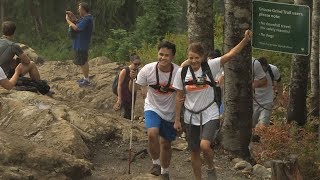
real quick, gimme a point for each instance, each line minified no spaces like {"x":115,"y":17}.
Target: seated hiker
{"x":10,"y":83}
{"x":8,"y":49}
{"x":124,"y":100}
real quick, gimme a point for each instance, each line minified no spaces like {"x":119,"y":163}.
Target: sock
{"x":87,"y":79}
{"x":157,"y":161}
{"x":164,"y":170}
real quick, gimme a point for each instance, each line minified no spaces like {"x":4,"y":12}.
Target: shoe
{"x":80,"y":80}
{"x":156,"y":170}
{"x":84,"y":83}
{"x":212,"y":174}
{"x":165,"y":176}
{"x":50,"y":93}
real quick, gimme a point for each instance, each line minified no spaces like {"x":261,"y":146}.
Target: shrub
{"x":280,"y":140}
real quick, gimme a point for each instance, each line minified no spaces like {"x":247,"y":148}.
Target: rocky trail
{"x":76,"y":134}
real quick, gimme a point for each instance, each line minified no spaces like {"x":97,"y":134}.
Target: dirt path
{"x":110,"y":160}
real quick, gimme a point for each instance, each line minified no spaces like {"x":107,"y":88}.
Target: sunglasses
{"x":136,"y":64}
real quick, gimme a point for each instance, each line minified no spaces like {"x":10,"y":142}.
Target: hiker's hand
{"x":19,"y":69}
{"x":117,"y":105}
{"x":182,"y":99}
{"x":67,"y":18}
{"x":248,"y":35}
{"x":133,"y":74}
{"x":177,"y":125}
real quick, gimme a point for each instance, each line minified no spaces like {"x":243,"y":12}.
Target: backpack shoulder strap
{"x":206,"y":70}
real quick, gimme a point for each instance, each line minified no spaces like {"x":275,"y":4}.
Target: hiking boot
{"x":156,"y":170}
{"x":84,"y":83}
{"x":165,"y":176}
{"x":211,"y":174}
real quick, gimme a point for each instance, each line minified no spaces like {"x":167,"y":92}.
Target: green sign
{"x":281,"y":27}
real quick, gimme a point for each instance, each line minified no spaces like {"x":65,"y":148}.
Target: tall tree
{"x":314,"y":59}
{"x":236,"y":129}
{"x":2,"y":10}
{"x":297,"y":108}
{"x":200,"y":22}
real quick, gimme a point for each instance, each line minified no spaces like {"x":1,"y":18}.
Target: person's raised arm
{"x":238,"y":48}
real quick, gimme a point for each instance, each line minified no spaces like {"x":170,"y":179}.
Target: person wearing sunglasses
{"x":124,"y":100}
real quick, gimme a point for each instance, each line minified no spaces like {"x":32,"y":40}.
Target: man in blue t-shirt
{"x":81,"y":30}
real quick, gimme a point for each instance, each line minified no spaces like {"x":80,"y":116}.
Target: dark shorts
{"x":209,"y":132}
{"x":166,"y":129}
{"x":126,"y":110}
{"x":80,"y":57}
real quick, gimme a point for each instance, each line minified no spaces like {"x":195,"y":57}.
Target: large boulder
{"x":52,"y":136}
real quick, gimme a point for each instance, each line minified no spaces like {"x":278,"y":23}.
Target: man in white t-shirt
{"x":201,"y":110}
{"x":263,"y":95}
{"x":9,"y":84}
{"x":159,"y":108}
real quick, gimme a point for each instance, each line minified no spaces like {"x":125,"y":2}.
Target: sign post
{"x":281,"y":27}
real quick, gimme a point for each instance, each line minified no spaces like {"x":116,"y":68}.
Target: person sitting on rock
{"x":8,"y":49}
{"x":124,"y":100}
{"x":10,"y":83}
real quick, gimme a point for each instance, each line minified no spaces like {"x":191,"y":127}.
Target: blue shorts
{"x":166,"y":129}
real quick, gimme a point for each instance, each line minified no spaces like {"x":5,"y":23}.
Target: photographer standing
{"x":124,"y":101}
{"x":82,"y":30}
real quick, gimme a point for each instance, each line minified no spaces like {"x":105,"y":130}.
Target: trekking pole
{"x":131,"y":123}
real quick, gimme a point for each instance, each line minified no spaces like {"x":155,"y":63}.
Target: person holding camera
{"x":82,"y":31}
{"x":126,"y":76}
{"x":159,"y":108}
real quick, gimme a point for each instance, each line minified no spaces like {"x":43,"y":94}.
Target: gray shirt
{"x":8,"y":50}
{"x":264,"y":95}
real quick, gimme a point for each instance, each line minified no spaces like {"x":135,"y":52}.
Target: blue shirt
{"x":83,"y":35}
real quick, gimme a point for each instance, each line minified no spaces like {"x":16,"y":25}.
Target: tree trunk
{"x":314,"y":59}
{"x":236,"y":129}
{"x":200,"y":23}
{"x":36,"y":14}
{"x":297,"y":109}
{"x":2,"y":10}
{"x":285,"y":170}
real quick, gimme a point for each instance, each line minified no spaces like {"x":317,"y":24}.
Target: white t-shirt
{"x":163,"y":104}
{"x":264,"y":95}
{"x":198,"y":97}
{"x":2,"y":74}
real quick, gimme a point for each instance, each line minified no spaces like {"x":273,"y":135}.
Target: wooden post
{"x":286,"y":170}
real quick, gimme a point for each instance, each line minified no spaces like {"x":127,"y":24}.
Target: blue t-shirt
{"x":83,"y":35}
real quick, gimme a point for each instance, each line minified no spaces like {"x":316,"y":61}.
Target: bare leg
{"x":32,"y":70}
{"x":85,"y":70}
{"x":196,"y":164}
{"x":207,"y":152}
{"x":153,"y":143}
{"x":165,"y":152}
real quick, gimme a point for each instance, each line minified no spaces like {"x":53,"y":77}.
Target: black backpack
{"x":28,"y":84}
{"x":206,"y":71}
{"x":115,"y":81}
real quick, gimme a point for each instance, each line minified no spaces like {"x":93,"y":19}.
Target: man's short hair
{"x":168,"y":45}
{"x":84,"y":6}
{"x":8,"y":28}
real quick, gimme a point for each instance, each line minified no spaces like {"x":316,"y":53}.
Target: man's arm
{"x":9,"y":84}
{"x":71,"y":23}
{"x":238,"y":48}
{"x":260,"y":83}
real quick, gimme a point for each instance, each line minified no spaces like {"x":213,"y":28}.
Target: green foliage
{"x":159,"y":18}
